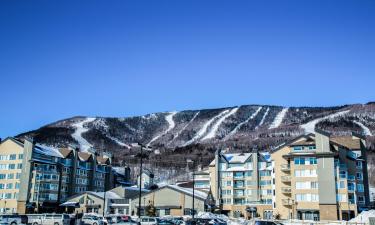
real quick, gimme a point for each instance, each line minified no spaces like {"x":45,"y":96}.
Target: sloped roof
{"x":84,"y":156}
{"x":102,"y":160}
{"x":65,"y":152}
{"x":347,"y":142}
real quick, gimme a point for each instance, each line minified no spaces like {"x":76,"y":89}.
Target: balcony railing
{"x":286,"y":178}
{"x":286,"y":190}
{"x":287,"y":202}
{"x":285,"y":167}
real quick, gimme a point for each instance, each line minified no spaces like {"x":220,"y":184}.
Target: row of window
{"x":305,"y":173}
{"x":9,"y":176}
{"x":307,"y":197}
{"x":304,"y":148}
{"x":307,"y":185}
{"x":305,"y":161}
{"x":9,"y":195}
{"x":343,"y":174}
{"x":10,"y":166}
{"x":10,"y":186}
{"x":11,"y":157}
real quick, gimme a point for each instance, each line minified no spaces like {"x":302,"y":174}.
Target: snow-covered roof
{"x":108,"y":194}
{"x":46,"y":150}
{"x":237,"y":157}
{"x":189,"y":191}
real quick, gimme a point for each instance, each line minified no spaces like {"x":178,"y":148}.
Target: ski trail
{"x":184,"y":127}
{"x":310,"y":126}
{"x":205,"y":126}
{"x":171,"y":125}
{"x":263,"y":118}
{"x":215,"y":127}
{"x":365,"y":129}
{"x":77,"y":135}
{"x":242,"y":123}
{"x":118,"y":142}
{"x":279,"y":118}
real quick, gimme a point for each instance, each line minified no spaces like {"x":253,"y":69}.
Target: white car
{"x":91,"y":220}
{"x":10,"y":219}
{"x":148,"y":221}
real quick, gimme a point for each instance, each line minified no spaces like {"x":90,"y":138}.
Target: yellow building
{"x":319,"y":177}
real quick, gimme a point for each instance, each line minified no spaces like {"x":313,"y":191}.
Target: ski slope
{"x":365,"y":129}
{"x":205,"y":126}
{"x":171,"y":125}
{"x":215,"y":127}
{"x":310,"y":126}
{"x":77,"y":135}
{"x":263,"y":118}
{"x":278,"y":118}
{"x":234,"y":131}
{"x":184,"y":127}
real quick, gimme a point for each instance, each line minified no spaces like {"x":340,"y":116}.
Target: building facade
{"x":37,"y":178}
{"x":318,"y":177}
{"x":242,"y":184}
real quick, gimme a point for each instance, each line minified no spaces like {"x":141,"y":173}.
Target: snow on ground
{"x":234,"y":131}
{"x":279,"y":118}
{"x":215,"y":127}
{"x":263,"y":118}
{"x":365,"y":129}
{"x":310,"y":126}
{"x":205,"y":126}
{"x":171,"y":125}
{"x":118,"y":142}
{"x":184,"y":127}
{"x":363,"y":217}
{"x":77,"y":135}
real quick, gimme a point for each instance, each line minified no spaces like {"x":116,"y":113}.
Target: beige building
{"x":117,"y":201}
{"x":318,"y":177}
{"x":171,"y":200}
{"x":241,"y":184}
{"x":37,"y":178}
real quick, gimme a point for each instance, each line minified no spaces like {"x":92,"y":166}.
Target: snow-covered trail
{"x":205,"y":126}
{"x":278,"y":118}
{"x":310,"y":126}
{"x":171,"y":125}
{"x":365,"y":129}
{"x":184,"y":127}
{"x":119,"y":142}
{"x":263,"y":118}
{"x":77,"y":135}
{"x":234,"y":131}
{"x":215,"y":127}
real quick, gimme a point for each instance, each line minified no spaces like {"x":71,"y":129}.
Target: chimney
{"x":322,"y":141}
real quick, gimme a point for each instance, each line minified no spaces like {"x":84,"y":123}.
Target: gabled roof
{"x":188,"y":191}
{"x":347,"y":142}
{"x":84,"y":156}
{"x":65,"y":152}
{"x":102,"y":160}
{"x":15,"y":140}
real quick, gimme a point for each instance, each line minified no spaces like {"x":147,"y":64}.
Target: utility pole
{"x":193,"y":189}
{"x":140,"y":184}
{"x":104,"y":203}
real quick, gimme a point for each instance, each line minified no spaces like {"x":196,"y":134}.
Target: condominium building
{"x":241,"y":184}
{"x":34,"y":177}
{"x":319,"y":177}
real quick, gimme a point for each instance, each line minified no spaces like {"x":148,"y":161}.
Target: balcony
{"x":286,"y":190}
{"x":287,"y":202}
{"x":285,"y":167}
{"x":286,"y":179}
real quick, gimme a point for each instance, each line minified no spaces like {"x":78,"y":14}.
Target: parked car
{"x":12,"y":220}
{"x":148,"y":221}
{"x":122,"y":219}
{"x":265,"y":222}
{"x":91,"y":220}
{"x":49,"y":219}
{"x":165,"y":222}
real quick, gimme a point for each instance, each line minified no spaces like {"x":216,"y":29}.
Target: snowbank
{"x":363,"y":217}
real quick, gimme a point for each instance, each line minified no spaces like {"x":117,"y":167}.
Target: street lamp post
{"x":140,"y":183}
{"x":193,"y":206}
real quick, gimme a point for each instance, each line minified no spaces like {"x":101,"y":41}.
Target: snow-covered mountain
{"x":197,"y":133}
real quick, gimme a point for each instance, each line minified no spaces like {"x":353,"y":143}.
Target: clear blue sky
{"x":120,"y":58}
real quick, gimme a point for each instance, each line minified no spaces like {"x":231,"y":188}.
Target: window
{"x":343,"y":174}
{"x":358,"y":164}
{"x":265,"y":182}
{"x":12,"y":166}
{"x":250,"y":183}
{"x":17,"y":185}
{"x":229,"y":183}
{"x":312,"y":147}
{"x":2,"y":176}
{"x":264,"y":173}
{"x":2,"y":186}
{"x":18,"y":175}
{"x":359,"y":176}
{"x":10,"y":176}
{"x":167,"y":212}
{"x":3,"y":166}
{"x":3,"y":157}
{"x":361,"y":199}
{"x":314,"y":185}
{"x":360,"y":188}
{"x":299,"y":161}
{"x":19,"y":166}
{"x":341,"y":197}
{"x":351,"y":186}
{"x":340,"y":185}
{"x":305,"y":173}
{"x":9,"y":186}
{"x":20,"y":156}
{"x":307,"y":197}
{"x":313,"y":161}
{"x":297,"y":148}
{"x":12,"y":157}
